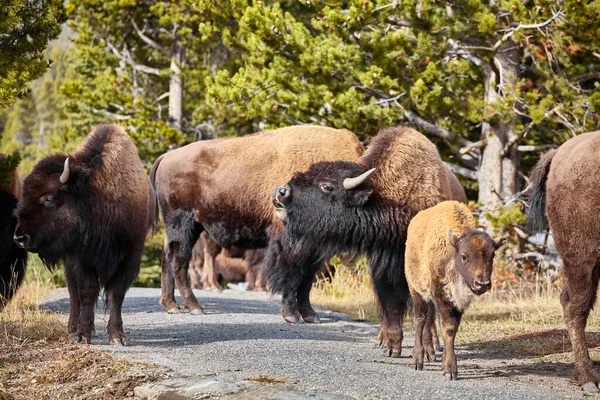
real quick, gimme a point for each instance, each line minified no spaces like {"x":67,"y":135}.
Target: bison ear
{"x":453,"y":239}
{"x":499,"y":242}
{"x":360,"y":196}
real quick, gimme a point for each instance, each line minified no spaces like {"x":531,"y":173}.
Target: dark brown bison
{"x":13,"y":259}
{"x":91,"y":210}
{"x":449,"y":263}
{"x":224,"y":187}
{"x":364,"y":206}
{"x":564,"y":193}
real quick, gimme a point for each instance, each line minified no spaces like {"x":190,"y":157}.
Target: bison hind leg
{"x":115,"y":291}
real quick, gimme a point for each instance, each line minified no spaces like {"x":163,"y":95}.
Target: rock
{"x":190,"y":388}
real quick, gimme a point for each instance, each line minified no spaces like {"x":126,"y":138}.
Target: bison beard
{"x":92,"y":211}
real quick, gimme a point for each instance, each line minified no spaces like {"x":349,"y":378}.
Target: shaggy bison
{"x":363,"y":206}
{"x":224,"y":187}
{"x":450,"y":262}
{"x":92,"y":210}
{"x":564,"y":194}
{"x":13,"y":259}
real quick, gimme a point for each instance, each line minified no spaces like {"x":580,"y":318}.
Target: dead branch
{"x":465,"y":172}
{"x":540,"y":147}
{"x":511,"y":32}
{"x":126,"y":57}
{"x":473,"y":146}
{"x":147,"y":40}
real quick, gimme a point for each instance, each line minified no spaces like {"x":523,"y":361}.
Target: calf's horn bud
{"x":351,"y":183}
{"x":64,"y":177}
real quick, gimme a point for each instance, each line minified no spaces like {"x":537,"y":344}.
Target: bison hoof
{"x":293,"y":319}
{"x":451,"y":376}
{"x":80,"y":339}
{"x":417,"y":367}
{"x":590,"y":387}
{"x":391,"y":353}
{"x":197,"y":311}
{"x":439,"y":348}
{"x":118,"y":341}
{"x":311,"y":319}
{"x":174,"y":310}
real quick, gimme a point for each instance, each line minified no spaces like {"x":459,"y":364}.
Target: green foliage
{"x":7,"y":165}
{"x":505,"y":217}
{"x":26,"y":26}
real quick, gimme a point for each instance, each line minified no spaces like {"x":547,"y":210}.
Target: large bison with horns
{"x":13,"y":259}
{"x":365,"y":206}
{"x":224,"y":187}
{"x":92,"y":210}
{"x":564,"y":196}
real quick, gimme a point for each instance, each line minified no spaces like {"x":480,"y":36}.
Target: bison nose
{"x":21,"y":240}
{"x":282,"y":193}
{"x":483,"y":286}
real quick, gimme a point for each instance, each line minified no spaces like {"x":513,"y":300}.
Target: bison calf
{"x":13,"y":259}
{"x":448,"y":262}
{"x":91,"y":210}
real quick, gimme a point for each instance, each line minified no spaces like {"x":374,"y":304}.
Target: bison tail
{"x":154,"y":193}
{"x":536,"y":216}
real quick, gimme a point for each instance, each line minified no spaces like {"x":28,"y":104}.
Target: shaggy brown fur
{"x":565,"y":189}
{"x":448,"y":262}
{"x":13,"y":259}
{"x":95,"y":222}
{"x":224,"y":186}
{"x":372,"y":218}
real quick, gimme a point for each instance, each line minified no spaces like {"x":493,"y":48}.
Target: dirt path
{"x":242,"y":348}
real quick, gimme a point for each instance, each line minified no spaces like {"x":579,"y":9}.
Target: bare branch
{"x":473,"y":146}
{"x":457,"y":49}
{"x":511,"y":32}
{"x":465,"y":172}
{"x":147,"y":40}
{"x":434,"y":129}
{"x":126,"y":57}
{"x":588,"y":77}
{"x":110,"y":114}
{"x":398,"y":22}
{"x":511,"y":142}
{"x":539,"y":147}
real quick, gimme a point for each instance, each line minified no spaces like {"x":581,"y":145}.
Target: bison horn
{"x":351,"y":183}
{"x":64,"y":177}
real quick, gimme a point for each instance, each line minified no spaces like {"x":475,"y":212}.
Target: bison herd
{"x":271,"y":208}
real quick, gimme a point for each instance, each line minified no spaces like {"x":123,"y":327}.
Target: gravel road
{"x":244,"y":336}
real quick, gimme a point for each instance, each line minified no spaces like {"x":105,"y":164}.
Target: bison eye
{"x":49,"y":201}
{"x":464,"y":257}
{"x":325,"y":187}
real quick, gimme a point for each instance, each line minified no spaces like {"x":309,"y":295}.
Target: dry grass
{"x":38,"y":361}
{"x":517,"y":320}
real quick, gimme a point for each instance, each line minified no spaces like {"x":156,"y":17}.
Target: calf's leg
{"x":209,"y":275}
{"x":431,"y":342}
{"x":577,"y":298}
{"x":450,"y":318}
{"x":420,"y":308}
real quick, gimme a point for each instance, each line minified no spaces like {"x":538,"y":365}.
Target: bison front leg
{"x":303,"y":295}
{"x":577,"y":299}
{"x":393,"y":302}
{"x":450,"y":319}
{"x":115,"y":292}
{"x":420,"y":308}
{"x":88,"y":289}
{"x":74,"y":301}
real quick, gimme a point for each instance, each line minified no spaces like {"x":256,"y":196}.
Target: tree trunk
{"x":176,"y":87}
{"x":497,"y":175}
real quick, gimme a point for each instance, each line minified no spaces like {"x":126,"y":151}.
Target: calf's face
{"x":49,"y":217}
{"x":474,"y":258}
{"x":322,"y":201}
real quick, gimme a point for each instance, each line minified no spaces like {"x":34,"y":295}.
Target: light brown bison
{"x":564,"y":194}
{"x":91,"y":210}
{"x":224,"y":187}
{"x":13,"y":259}
{"x":448,"y":262}
{"x":365,"y":207}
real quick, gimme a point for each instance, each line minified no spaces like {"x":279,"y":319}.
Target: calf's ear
{"x":453,"y":239}
{"x":499,"y":242}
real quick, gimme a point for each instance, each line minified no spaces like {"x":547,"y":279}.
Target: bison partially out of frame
{"x":564,"y":194}
{"x":224,"y":187}
{"x":13,"y":259}
{"x":365,"y":207}
{"x":91,"y":210}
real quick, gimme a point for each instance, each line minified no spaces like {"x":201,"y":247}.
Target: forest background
{"x":493,"y":84}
